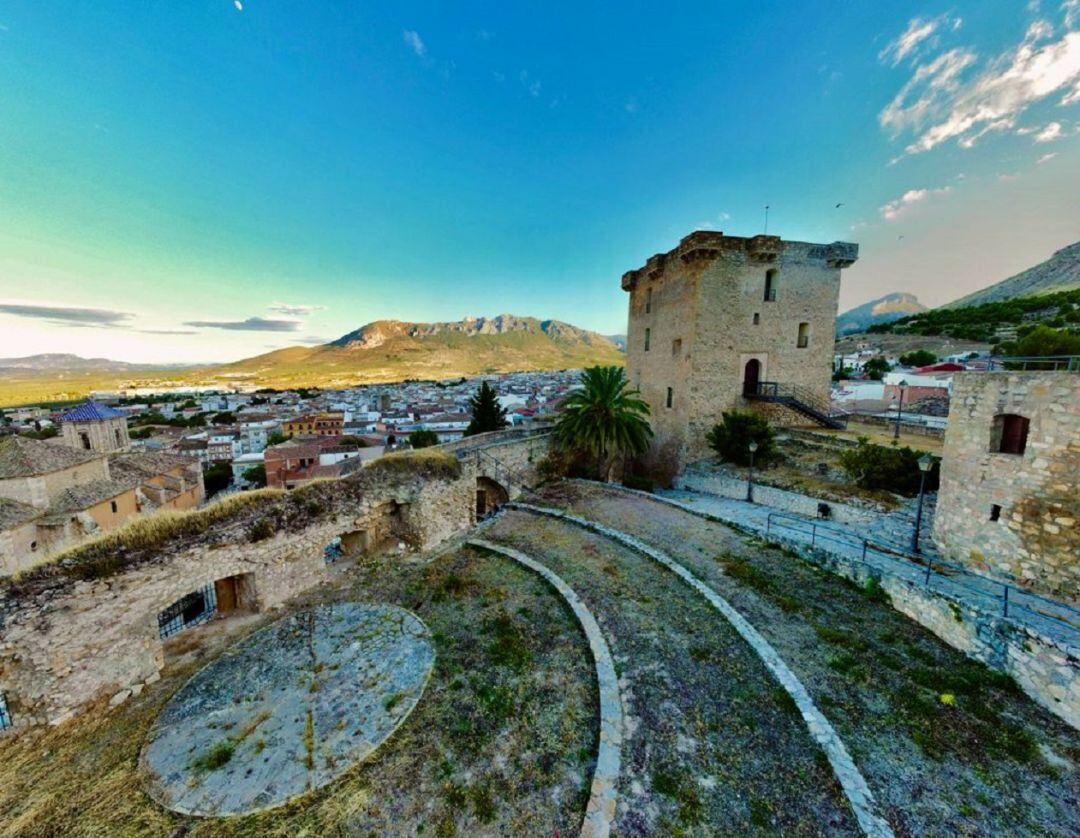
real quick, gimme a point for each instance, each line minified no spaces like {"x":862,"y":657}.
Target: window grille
{"x":190,"y":610}
{"x":5,"y":715}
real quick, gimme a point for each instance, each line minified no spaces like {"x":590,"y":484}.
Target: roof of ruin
{"x":13,"y":513}
{"x":84,"y":496}
{"x":137,"y":466}
{"x":21,"y":456}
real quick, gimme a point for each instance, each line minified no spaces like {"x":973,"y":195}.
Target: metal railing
{"x":1026,"y":363}
{"x":1011,"y":597}
{"x":497,"y":469}
{"x":801,"y":398}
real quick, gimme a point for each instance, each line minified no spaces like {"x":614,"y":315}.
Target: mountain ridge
{"x":1061,"y":272}
{"x":881,"y":310}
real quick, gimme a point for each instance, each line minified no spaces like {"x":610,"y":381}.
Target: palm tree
{"x":605,"y":418}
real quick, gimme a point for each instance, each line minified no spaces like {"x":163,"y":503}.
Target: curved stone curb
{"x":851,"y":779}
{"x":600,"y":813}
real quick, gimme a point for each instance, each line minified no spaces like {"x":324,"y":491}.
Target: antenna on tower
{"x":766,"y":219}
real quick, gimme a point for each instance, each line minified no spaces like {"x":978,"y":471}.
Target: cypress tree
{"x":487,"y":413}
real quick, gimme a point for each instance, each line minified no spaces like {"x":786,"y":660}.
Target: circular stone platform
{"x":288,"y":709}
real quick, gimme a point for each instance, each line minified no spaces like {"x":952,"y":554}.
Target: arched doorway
{"x":750,"y":376}
{"x":490,"y":495}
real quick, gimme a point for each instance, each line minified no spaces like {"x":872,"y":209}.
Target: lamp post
{"x":926,"y":462}
{"x":899,"y":409}
{"x":750,"y":474}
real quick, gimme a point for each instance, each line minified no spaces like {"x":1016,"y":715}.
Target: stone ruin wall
{"x":1036,"y":542}
{"x":66,"y":641}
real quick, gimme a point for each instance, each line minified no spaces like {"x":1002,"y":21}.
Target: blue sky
{"x":198,"y":181}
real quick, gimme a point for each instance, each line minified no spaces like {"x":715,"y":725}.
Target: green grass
{"x":215,"y":757}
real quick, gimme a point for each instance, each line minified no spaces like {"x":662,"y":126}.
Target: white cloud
{"x":1050,"y":133}
{"x":906,"y":203}
{"x":294,"y":310}
{"x":1071,"y":9}
{"x":533,"y":86}
{"x":239,"y":5}
{"x":919,"y":32}
{"x":1049,"y":156}
{"x":938,"y":103}
{"x":414,"y":42}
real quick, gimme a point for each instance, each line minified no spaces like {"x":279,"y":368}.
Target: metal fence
{"x":1010,"y":598}
{"x":190,"y":610}
{"x":5,"y":715}
{"x":1061,"y":363}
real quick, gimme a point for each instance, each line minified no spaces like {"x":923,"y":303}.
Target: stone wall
{"x":86,"y":626}
{"x":780,"y":499}
{"x":106,"y":435}
{"x":703,"y":306}
{"x":1035,"y":541}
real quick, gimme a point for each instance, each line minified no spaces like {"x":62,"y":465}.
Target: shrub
{"x":732,"y":437}
{"x":423,"y":439}
{"x":874,"y":466}
{"x":634,"y":481}
{"x":876,"y":368}
{"x":262,"y":530}
{"x":918,"y":358}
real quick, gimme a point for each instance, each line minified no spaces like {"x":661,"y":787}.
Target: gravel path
{"x":712,"y":744}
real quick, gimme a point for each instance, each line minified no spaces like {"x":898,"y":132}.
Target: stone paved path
{"x":851,"y":780}
{"x":288,"y":709}
{"x":1056,"y":622}
{"x":603,"y":795}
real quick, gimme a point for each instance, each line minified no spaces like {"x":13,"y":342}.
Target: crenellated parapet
{"x":703,"y":246}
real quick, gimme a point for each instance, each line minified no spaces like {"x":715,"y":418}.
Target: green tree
{"x":354,"y":441}
{"x":843,"y":373}
{"x":423,"y":439}
{"x":732,"y":437}
{"x":216,"y":478}
{"x":487,"y":413}
{"x":885,"y":467}
{"x":604,"y":419}
{"x":275,"y":438}
{"x":918,"y":358}
{"x":876,"y":368}
{"x":256,"y":475}
{"x":226,"y":417}
{"x":1042,"y":340}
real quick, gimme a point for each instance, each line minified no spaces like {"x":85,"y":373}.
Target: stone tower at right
{"x":725,"y":322}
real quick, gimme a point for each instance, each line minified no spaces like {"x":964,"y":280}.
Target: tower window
{"x":757,"y":318}
{"x":117,"y":433}
{"x":1009,"y":434}
{"x":676,"y":346}
{"x":648,"y":339}
{"x":670,"y":396}
{"x":770,"y":285}
{"x":113,"y":507}
{"x":648,"y":300}
{"x":995,"y":512}
{"x":804,"y":336}
{"x":85,"y":438}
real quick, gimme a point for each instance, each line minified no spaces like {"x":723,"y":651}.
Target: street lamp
{"x":899,"y":409}
{"x":926,"y":462}
{"x":750,"y":474}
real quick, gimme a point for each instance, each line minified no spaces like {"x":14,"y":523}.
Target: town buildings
{"x":718,"y":319}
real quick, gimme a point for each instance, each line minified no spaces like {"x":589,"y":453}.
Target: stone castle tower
{"x":95,"y":427}
{"x":724,"y":322}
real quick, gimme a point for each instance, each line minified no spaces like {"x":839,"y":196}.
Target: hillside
{"x":882,"y":310}
{"x":386,"y":350}
{"x":994,"y":321}
{"x":1061,"y":272}
{"x":391,"y":350}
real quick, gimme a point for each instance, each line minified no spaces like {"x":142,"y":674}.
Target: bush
{"x":732,"y":437}
{"x":262,"y":530}
{"x":882,"y":467}
{"x":918,"y":358}
{"x":256,"y":475}
{"x":423,"y":439}
{"x":634,"y":481}
{"x":876,"y":368}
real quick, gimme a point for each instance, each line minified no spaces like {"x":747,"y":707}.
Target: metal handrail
{"x":1064,"y":363}
{"x":933,"y":568}
{"x":795,"y":392}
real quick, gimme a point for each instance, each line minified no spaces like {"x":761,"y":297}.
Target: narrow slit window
{"x":113,"y":506}
{"x":995,"y":512}
{"x":757,"y":318}
{"x":670,"y":397}
{"x":770,"y":285}
{"x":648,"y":339}
{"x":804,"y":336}
{"x":676,"y":346}
{"x":648,"y":300}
